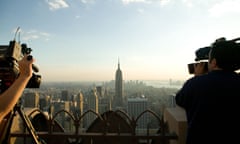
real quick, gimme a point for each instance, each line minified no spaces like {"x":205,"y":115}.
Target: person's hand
{"x":25,"y":67}
{"x":199,"y":68}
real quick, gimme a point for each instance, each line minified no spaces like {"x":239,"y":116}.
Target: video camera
{"x":202,"y":55}
{"x":9,"y":69}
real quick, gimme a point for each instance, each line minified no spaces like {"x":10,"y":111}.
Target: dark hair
{"x":226,"y":53}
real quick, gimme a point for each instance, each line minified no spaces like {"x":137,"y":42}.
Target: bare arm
{"x":9,"y":97}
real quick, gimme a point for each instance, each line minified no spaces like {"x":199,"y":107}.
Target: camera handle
{"x":34,"y":67}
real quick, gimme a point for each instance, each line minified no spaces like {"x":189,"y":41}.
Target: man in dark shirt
{"x":211,"y":99}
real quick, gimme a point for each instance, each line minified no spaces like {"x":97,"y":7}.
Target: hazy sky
{"x":83,"y":39}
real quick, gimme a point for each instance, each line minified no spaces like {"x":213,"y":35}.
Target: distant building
{"x":173,"y":102}
{"x":79,"y":103}
{"x":118,"y":98}
{"x":44,"y":103}
{"x":92,"y":104}
{"x":135,"y":106}
{"x":79,"y":107}
{"x":104,"y":105}
{"x":104,"y":100}
{"x":65,"y":96}
{"x":100,"y":91}
{"x":63,"y":118}
{"x":31,"y":99}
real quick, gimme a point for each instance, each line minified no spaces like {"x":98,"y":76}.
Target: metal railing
{"x":104,"y":134}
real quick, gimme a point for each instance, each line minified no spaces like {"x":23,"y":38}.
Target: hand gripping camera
{"x":9,"y":69}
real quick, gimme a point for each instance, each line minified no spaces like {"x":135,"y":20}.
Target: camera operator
{"x":210,"y":98}
{"x":10,"y":96}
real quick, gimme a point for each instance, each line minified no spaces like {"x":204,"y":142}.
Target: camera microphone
{"x":34,"y":67}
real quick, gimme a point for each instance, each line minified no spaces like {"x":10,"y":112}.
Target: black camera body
{"x":202,"y":55}
{"x":9,"y":69}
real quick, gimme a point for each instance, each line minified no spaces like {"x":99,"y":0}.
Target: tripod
{"x":18,"y":108}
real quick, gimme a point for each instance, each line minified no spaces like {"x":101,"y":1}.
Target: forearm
{"x":9,"y":97}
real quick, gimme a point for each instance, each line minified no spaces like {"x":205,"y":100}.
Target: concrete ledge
{"x":177,"y":122}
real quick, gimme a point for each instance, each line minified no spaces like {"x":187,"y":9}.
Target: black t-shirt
{"x":211,"y":104}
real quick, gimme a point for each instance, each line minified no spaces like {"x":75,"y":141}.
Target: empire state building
{"x":118,"y":99}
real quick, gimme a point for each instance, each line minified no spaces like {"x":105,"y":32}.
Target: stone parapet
{"x":177,"y":123}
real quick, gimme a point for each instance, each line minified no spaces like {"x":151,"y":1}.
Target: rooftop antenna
{"x":118,"y":63}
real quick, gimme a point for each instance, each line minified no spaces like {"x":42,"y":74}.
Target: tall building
{"x":92,"y":104}
{"x":104,"y":100}
{"x":135,"y":106}
{"x":100,"y":91}
{"x":118,"y":98}
{"x":63,"y":118}
{"x":65,"y":95}
{"x":79,"y":108}
{"x":79,"y":101}
{"x":44,"y":102}
{"x":31,"y":99}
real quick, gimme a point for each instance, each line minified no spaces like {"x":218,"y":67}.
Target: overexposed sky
{"x":80,"y":40}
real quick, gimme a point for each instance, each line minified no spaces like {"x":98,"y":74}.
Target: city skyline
{"x":82,"y":40}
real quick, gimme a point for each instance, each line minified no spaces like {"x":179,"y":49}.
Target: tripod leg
{"x":29,"y":126}
{"x":5,"y":132}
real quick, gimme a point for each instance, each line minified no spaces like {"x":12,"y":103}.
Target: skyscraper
{"x":79,"y":106}
{"x":65,"y":96}
{"x":118,"y":99}
{"x":135,"y":106}
{"x":92,"y":104}
{"x":31,"y":99}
